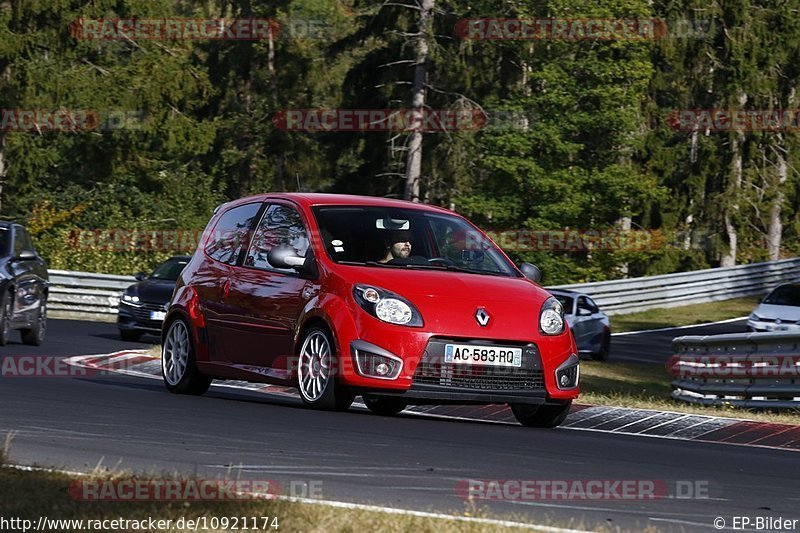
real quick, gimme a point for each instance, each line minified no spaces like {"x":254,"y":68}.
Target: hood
{"x":448,"y":301}
{"x":787,"y":313}
{"x":157,"y":291}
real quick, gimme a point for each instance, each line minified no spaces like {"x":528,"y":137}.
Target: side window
{"x":231,"y":234}
{"x":281,"y":225}
{"x":21,"y":240}
{"x":591,"y":305}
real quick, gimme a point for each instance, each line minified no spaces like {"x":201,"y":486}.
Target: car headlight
{"x":387,"y":306}
{"x":754,"y":316}
{"x":551,"y":317}
{"x":130,"y":298}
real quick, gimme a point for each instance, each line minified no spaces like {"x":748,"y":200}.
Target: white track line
{"x":677,"y":327}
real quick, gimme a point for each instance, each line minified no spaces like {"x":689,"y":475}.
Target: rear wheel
{"x":35,"y":335}
{"x":316,"y":369}
{"x":384,"y":406}
{"x":6,"y":308}
{"x":541,"y":416}
{"x":178,"y":363}
{"x":605,"y":348}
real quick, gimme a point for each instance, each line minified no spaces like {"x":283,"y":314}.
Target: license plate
{"x":471,"y":354}
{"x":777,"y":328}
{"x":158,"y":315}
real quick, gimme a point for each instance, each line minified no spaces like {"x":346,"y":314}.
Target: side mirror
{"x":140,"y":276}
{"x":285,"y":257}
{"x":582,"y":311}
{"x":531,"y":272}
{"x":26,"y":255}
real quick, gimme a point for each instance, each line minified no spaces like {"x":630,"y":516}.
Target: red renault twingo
{"x":340,"y":296}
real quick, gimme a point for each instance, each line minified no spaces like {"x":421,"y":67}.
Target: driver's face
{"x":401,"y":250}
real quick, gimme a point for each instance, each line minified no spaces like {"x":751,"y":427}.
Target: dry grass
{"x":685,"y":315}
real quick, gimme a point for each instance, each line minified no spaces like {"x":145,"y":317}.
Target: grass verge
{"x":684,"y":315}
{"x":648,"y":387}
{"x":42,"y":493}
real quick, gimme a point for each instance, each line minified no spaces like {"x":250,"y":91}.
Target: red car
{"x":341,"y":296}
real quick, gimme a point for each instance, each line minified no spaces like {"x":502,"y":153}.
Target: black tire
{"x":5,"y":317}
{"x":605,"y":348}
{"x":384,"y":406}
{"x":541,"y":416}
{"x":190,"y":380}
{"x":130,"y":335}
{"x":35,"y":336}
{"x":333,"y":396}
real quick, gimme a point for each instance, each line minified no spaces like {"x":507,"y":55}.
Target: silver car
{"x":589,"y":325}
{"x":778,"y":311}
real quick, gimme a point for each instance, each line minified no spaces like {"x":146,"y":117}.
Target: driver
{"x":398,"y":246}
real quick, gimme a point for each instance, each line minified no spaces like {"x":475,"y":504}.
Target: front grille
{"x":142,"y":313}
{"x":433,"y":370}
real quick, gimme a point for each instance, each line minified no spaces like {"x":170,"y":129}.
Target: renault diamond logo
{"x":482,"y":316}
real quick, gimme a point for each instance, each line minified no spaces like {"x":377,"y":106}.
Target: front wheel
{"x":316,"y":374}
{"x":384,"y":406}
{"x":178,"y":363}
{"x":35,"y":336}
{"x":541,"y":416}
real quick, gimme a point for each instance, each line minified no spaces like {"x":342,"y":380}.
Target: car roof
{"x":320,"y":199}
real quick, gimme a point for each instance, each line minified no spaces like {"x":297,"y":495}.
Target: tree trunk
{"x":2,"y":167}
{"x":414,"y":159}
{"x":775,"y":229}
{"x":735,"y":184}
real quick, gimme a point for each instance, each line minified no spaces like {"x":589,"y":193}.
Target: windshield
{"x":169,"y":270}
{"x":408,"y":238}
{"x":784,"y":295}
{"x":566,"y":301}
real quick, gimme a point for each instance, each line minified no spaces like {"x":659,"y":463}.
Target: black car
{"x":23,"y":286}
{"x":143,"y":306}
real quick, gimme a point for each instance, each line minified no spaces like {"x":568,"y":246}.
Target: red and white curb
{"x":622,"y":420}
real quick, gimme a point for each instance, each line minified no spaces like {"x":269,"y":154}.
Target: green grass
{"x":648,"y":387}
{"x":684,"y":315}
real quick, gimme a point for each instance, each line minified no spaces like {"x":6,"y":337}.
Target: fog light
{"x":375,"y":362}
{"x":568,"y":374}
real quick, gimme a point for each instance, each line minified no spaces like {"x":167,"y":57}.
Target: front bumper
{"x":430,"y":379}
{"x":772,"y":325}
{"x":140,"y":317}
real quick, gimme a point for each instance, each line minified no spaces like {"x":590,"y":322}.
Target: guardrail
{"x":684,"y":288}
{"x":742,"y":369}
{"x":90,"y":295}
{"x":85,"y":294}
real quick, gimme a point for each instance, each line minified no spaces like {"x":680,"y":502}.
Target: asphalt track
{"x":409,"y":461}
